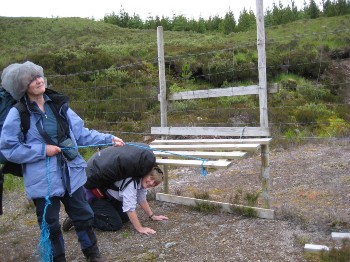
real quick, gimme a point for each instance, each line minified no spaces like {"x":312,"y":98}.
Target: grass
{"x":201,"y":195}
{"x":206,"y":207}
{"x":245,"y":211}
{"x":249,"y":198}
{"x":12,"y":183}
{"x":341,"y":254}
{"x":302,"y":239}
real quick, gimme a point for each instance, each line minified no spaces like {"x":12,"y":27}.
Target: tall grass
{"x":12,"y":183}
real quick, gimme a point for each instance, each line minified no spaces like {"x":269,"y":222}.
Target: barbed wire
{"x":126,"y":115}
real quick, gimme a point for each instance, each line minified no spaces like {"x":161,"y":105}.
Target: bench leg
{"x":265,"y":175}
{"x":166,"y":179}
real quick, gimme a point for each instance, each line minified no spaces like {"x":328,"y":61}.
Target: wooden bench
{"x":209,"y":153}
{"x":217,"y":153}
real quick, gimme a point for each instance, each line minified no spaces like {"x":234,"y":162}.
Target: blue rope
{"x":45,"y":248}
{"x":77,"y":147}
{"x":203,"y":170}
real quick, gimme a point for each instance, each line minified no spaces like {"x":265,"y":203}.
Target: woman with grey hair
{"x":49,"y":171}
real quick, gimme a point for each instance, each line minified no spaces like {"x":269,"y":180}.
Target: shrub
{"x":315,"y":93}
{"x":336,"y":127}
{"x":312,"y":113}
{"x":12,"y":183}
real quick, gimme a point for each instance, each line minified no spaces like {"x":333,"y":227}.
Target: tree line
{"x":276,"y":15}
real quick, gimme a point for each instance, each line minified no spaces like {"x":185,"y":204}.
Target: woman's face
{"x":36,"y":86}
{"x":148,"y":182}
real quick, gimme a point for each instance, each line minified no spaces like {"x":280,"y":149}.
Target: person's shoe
{"x":96,"y":259}
{"x":93,"y":254}
{"x":67,"y":224}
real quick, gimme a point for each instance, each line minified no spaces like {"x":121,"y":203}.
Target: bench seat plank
{"x":194,"y":163}
{"x":201,"y":154}
{"x":262,"y":141}
{"x":212,"y":131}
{"x":235,"y":147}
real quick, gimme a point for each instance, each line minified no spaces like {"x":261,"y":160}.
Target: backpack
{"x":6,"y":103}
{"x":117,"y":163}
{"x":7,"y":167}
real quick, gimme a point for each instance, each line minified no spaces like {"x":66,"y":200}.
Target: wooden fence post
{"x":265,"y":166}
{"x":162,"y":93}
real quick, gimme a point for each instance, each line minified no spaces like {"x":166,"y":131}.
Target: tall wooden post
{"x":162,"y":95}
{"x":265,"y":165}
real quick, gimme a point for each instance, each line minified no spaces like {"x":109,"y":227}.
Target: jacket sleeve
{"x":83,"y":135}
{"x":12,"y":145}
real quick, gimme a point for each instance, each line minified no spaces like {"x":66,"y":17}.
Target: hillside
{"x":81,"y":56}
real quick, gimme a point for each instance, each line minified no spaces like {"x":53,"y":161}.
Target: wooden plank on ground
{"x":312,"y":248}
{"x":240,"y":132}
{"x":261,"y":141}
{"x":340,"y":236}
{"x":201,"y":154}
{"x":216,"y":147}
{"x":194,"y":163}
{"x":227,"y":207}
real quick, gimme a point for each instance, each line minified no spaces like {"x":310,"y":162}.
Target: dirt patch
{"x":310,"y":194}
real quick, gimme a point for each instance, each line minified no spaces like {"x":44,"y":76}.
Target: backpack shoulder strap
{"x":24,"y":115}
{"x":135,"y":180}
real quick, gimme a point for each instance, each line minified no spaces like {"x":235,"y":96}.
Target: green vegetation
{"x":201,"y":195}
{"x":111,"y":73}
{"x":244,"y":211}
{"x":243,"y":203}
{"x":248,"y":199}
{"x":277,"y":15}
{"x":206,"y":207}
{"x":12,"y":183}
{"x":339,"y":254}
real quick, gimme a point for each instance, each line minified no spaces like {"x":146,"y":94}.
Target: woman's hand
{"x":117,"y":141}
{"x":52,"y":150}
{"x":146,"y":230}
{"x":159,"y":218}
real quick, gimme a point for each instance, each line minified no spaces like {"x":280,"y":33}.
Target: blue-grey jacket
{"x":38,"y":171}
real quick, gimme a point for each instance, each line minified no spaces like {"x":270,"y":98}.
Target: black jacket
{"x":117,"y":163}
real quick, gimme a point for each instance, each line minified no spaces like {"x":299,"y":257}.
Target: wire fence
{"x":124,"y":99}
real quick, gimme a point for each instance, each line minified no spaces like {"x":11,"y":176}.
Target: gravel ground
{"x":310,"y":194}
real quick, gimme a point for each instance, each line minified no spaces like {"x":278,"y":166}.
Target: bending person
{"x":117,"y":181}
